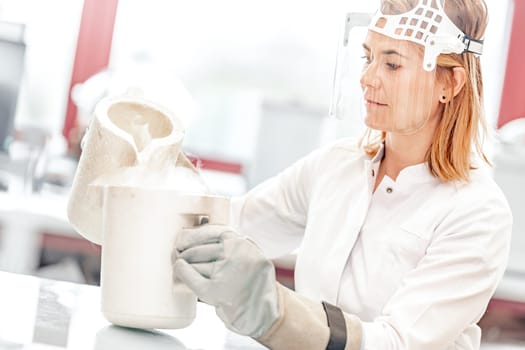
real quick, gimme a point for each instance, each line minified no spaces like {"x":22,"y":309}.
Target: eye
{"x":367,"y":59}
{"x":393,"y":66}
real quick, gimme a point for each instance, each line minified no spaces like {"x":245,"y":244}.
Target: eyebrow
{"x":385,"y":52}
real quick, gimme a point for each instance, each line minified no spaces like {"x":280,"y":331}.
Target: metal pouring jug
{"x":126,"y":196}
{"x":139,"y":230}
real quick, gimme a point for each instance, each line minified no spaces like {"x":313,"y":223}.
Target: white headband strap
{"x":427,"y":24}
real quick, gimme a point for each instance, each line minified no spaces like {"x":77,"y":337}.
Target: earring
{"x":443,"y":99}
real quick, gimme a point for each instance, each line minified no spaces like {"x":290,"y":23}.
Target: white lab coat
{"x":417,"y":260}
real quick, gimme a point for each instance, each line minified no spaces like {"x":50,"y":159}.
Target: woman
{"x":403,"y":238}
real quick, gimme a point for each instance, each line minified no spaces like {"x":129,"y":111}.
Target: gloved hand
{"x":230,"y":273}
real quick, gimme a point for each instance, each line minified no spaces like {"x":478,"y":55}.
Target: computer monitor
{"x":12,"y":52}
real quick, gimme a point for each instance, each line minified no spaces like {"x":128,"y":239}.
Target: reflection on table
{"x":44,"y":314}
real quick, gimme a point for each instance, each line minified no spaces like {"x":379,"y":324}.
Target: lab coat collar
{"x":379,"y":155}
{"x":414,"y":174}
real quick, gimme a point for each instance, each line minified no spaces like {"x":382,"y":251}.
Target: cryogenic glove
{"x":230,"y":273}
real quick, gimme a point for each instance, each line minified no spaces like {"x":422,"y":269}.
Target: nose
{"x":369,"y":76}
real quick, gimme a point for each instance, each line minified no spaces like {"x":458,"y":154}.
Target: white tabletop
{"x":44,"y":314}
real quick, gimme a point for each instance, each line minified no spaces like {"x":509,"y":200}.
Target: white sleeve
{"x":273,"y":214}
{"x":451,"y":286}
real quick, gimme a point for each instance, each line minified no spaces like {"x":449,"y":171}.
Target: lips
{"x":371,"y":99}
{"x":371,"y":102}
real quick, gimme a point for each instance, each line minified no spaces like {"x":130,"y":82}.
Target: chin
{"x":372,"y":124}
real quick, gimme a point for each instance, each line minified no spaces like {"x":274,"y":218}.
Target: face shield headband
{"x":427,"y":24}
{"x":398,"y":103}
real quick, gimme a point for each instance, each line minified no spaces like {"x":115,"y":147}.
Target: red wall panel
{"x":513,"y":96}
{"x":93,"y":48}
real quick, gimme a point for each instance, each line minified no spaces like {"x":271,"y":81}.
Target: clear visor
{"x":385,"y":71}
{"x":381,"y":80}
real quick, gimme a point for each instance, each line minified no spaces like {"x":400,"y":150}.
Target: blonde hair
{"x":462,"y":125}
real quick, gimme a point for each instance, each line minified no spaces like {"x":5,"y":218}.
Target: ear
{"x":460,"y":77}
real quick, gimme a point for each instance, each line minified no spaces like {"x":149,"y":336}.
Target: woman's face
{"x":400,"y":96}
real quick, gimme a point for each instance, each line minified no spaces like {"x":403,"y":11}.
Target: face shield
{"x":386,"y":74}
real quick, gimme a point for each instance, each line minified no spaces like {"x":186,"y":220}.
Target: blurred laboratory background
{"x":252,"y":82}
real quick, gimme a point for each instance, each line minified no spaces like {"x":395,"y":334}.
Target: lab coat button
{"x":373,"y":173}
{"x":389,"y":190}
